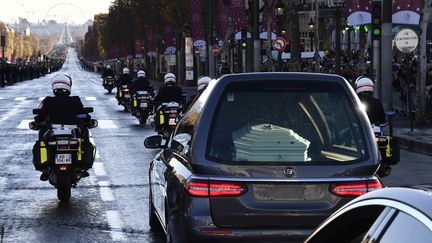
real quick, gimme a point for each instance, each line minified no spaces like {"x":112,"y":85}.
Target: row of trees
{"x":127,"y":20}
{"x":124,"y":30}
{"x":18,"y":45}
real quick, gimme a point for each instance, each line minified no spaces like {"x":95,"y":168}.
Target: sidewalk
{"x":419,"y":140}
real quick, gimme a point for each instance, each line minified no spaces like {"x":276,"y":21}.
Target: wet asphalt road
{"x":110,"y":205}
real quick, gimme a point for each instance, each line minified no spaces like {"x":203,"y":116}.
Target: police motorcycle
{"x":123,"y":97}
{"x":108,"y":83}
{"x":142,"y":105}
{"x":65,"y":152}
{"x":388,"y":145}
{"x":167,"y":118}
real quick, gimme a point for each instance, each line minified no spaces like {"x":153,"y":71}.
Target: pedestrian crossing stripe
{"x":106,"y":124}
{"x":20,"y":98}
{"x":24,"y":124}
{"x":90,"y":98}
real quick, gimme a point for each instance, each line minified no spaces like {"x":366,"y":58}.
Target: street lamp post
{"x":269,"y":34}
{"x":311,"y":33}
{"x":317,"y":56}
{"x":280,"y":8}
{"x":337,"y":5}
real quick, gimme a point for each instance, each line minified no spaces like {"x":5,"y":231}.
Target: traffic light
{"x":243,"y":38}
{"x":376,"y":20}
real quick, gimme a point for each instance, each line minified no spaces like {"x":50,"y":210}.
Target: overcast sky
{"x":71,"y":11}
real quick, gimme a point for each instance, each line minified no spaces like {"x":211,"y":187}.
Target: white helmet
{"x":203,"y":81}
{"x":61,"y":83}
{"x":364,"y":84}
{"x":125,"y":70}
{"x":170,"y":79}
{"x":141,"y":74}
{"x":108,"y":66}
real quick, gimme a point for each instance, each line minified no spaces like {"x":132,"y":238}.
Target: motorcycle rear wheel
{"x":63,"y":187}
{"x":143,"y":119}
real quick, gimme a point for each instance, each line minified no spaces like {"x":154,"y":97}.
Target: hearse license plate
{"x":63,"y":159}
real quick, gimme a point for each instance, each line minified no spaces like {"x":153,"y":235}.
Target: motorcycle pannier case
{"x":40,"y":155}
{"x":391,"y":155}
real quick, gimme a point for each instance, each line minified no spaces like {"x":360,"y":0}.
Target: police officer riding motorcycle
{"x":169,"y":103}
{"x":63,"y":152}
{"x":387,"y":144}
{"x":142,"y":93}
{"x":108,"y":81}
{"x":123,"y":96}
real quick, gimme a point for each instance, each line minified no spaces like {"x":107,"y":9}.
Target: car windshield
{"x":291,"y":121}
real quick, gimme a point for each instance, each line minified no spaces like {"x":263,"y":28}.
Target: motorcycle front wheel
{"x":63,"y":187}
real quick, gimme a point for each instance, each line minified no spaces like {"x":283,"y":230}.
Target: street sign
{"x":279,"y":44}
{"x":216,"y":50}
{"x":406,"y":40}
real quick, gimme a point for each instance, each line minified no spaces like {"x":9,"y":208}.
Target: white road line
{"x":106,"y":124}
{"x":97,"y":156}
{"x":106,"y":194}
{"x":90,"y":98}
{"x":103,"y":183}
{"x":99,"y":169}
{"x":13,"y":111}
{"x":116,"y":225}
{"x":24,"y":124}
{"x":41,"y":98}
{"x":1,"y":98}
{"x":20,"y":98}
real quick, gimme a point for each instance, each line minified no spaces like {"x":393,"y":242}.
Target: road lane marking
{"x":24,"y":124}
{"x":90,"y":98}
{"x":103,"y":183}
{"x":106,"y":194}
{"x":13,"y":111}
{"x":1,"y":98}
{"x":116,"y":225}
{"x":41,"y":98}
{"x":20,"y":98}
{"x":99,"y":169}
{"x":97,"y":156}
{"x":106,"y":124}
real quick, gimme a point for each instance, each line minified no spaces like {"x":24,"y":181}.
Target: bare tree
{"x":421,"y":74}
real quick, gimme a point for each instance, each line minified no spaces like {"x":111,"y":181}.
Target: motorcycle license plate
{"x":63,"y":159}
{"x":126,"y":95}
{"x":172,"y":121}
{"x":143,"y":105}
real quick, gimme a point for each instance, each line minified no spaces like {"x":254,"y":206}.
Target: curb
{"x":415,"y":146}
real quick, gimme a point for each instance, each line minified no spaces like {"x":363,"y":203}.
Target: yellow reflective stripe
{"x":161,"y":117}
{"x":135,"y":102}
{"x":79,"y":149}
{"x":120,"y":93}
{"x":43,"y":152}
{"x":388,"y":148}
